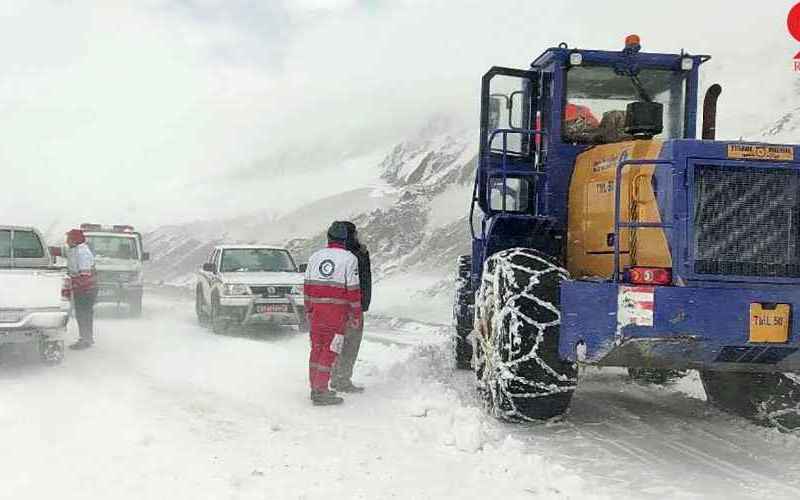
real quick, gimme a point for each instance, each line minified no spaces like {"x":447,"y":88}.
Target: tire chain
{"x":489,"y":359}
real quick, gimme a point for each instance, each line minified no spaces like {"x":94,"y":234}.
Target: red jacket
{"x":332,"y":290}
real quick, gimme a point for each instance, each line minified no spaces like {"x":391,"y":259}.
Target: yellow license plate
{"x":769,"y":325}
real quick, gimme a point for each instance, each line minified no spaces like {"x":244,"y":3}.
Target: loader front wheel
{"x":520,"y":374}
{"x":771,"y":399}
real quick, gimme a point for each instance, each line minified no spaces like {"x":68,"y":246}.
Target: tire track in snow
{"x":632,"y":424}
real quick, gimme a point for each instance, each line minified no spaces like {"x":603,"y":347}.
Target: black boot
{"x":325,"y":398}
{"x":81,"y":344}
{"x":347,"y":387}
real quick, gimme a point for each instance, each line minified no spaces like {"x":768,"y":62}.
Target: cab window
{"x":516,"y":197}
{"x":5,"y":244}
{"x":597,"y":97}
{"x":114,"y":247}
{"x":26,"y":245}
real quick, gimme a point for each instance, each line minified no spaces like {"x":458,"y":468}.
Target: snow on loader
{"x":608,"y":235}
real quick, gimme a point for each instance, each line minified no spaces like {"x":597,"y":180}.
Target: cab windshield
{"x":597,"y":97}
{"x":255,"y":260}
{"x":114,"y":247}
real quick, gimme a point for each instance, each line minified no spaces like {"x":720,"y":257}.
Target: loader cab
{"x":535,"y":123}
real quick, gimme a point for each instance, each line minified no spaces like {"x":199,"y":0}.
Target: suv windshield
{"x":113,"y":247}
{"x":256,"y":260}
{"x":597,"y":97}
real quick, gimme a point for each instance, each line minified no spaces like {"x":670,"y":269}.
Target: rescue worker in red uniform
{"x":80,"y":264}
{"x":333,"y":304}
{"x":579,"y":123}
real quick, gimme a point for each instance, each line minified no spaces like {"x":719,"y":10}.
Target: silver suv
{"x":247,"y":285}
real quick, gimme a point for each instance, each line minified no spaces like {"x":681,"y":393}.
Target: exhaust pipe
{"x":710,"y":112}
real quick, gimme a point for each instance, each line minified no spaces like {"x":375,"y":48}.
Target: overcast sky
{"x":120,"y":112}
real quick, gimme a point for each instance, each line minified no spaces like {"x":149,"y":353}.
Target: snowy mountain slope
{"x":413,"y":221}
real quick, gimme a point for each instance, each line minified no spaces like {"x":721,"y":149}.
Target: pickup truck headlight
{"x":296,"y":290}
{"x":236,"y":289}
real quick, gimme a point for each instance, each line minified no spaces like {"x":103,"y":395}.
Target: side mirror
{"x":644,"y":119}
{"x":302,"y":268}
{"x":145,"y":256}
{"x":55,"y":251}
{"x":208,"y":267}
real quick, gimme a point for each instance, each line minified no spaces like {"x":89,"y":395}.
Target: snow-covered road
{"x":162,"y":408}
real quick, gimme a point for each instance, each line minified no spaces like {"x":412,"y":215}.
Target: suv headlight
{"x":236,"y":289}
{"x":296,"y":290}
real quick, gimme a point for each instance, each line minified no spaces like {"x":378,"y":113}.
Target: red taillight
{"x":66,"y":289}
{"x":650,"y":275}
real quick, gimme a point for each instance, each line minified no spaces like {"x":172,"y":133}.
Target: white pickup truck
{"x":34,"y":295}
{"x":118,"y":256}
{"x":250,"y":284}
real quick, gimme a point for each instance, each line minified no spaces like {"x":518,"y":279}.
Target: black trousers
{"x":84,"y":314}
{"x":343,"y":369}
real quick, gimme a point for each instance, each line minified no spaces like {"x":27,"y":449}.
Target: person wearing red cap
{"x":80,"y":264}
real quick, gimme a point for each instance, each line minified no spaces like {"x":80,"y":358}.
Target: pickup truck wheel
{"x":135,"y":306}
{"x":771,"y":399}
{"x":219,"y":325}
{"x":51,"y":352}
{"x":520,"y":374}
{"x":463,"y":313}
{"x":202,"y":316}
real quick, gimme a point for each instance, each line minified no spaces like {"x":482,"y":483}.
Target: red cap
{"x":632,"y":40}
{"x":75,"y":237}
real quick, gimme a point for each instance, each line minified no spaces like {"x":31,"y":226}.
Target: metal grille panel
{"x":271,"y":291}
{"x":746,"y":221}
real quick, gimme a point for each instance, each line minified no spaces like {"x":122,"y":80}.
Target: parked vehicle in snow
{"x":250,"y":284}
{"x":610,"y":235}
{"x":119,"y":256}
{"x":34,"y":295}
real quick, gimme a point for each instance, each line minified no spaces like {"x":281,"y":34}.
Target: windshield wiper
{"x":643,"y":94}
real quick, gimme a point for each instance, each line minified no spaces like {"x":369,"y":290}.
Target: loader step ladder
{"x":618,"y":224}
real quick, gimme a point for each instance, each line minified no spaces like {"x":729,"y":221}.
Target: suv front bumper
{"x":247,"y":310}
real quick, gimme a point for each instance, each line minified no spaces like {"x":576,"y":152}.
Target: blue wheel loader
{"x":606,"y":233}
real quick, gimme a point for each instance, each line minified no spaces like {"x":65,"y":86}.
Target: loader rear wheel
{"x":463,"y":313}
{"x":520,"y":374}
{"x":771,"y":399}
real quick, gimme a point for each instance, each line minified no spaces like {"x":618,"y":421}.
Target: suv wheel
{"x":202,"y":316}
{"x":219,"y":325}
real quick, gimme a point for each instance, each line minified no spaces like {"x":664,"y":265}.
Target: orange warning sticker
{"x":756,"y":152}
